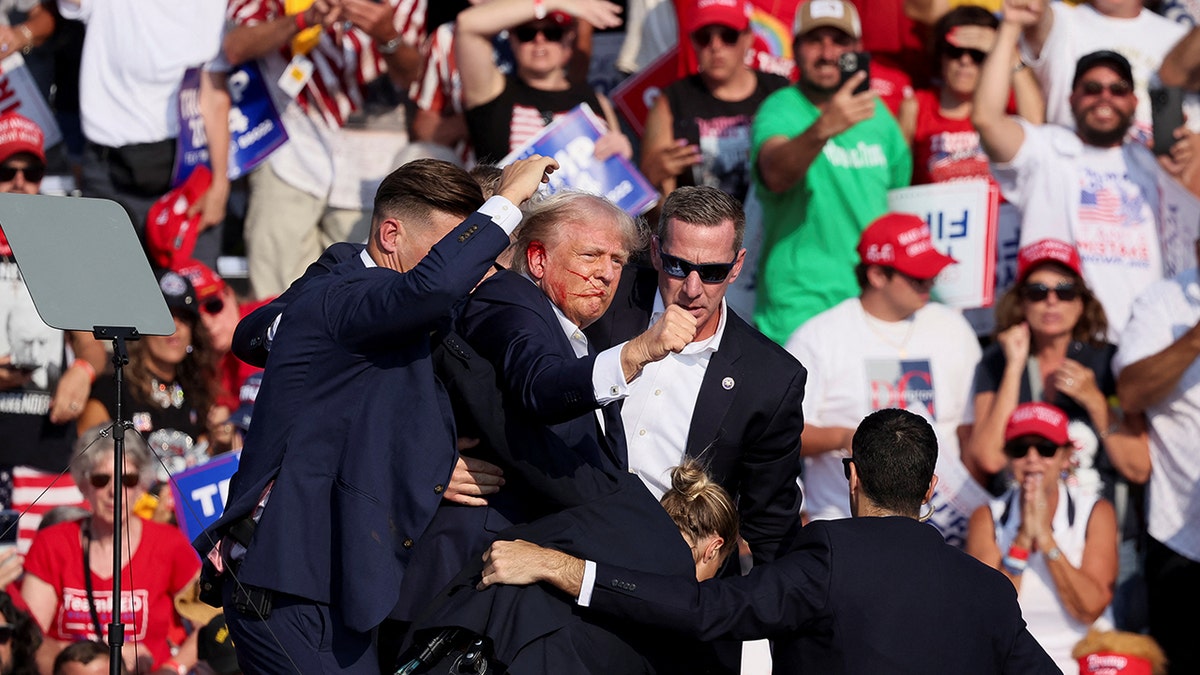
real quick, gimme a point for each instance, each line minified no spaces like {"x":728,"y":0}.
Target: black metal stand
{"x":120,"y":359}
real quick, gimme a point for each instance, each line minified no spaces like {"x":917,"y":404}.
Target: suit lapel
{"x":717,"y":391}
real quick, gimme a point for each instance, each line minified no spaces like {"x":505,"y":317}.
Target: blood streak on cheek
{"x":587,"y":280}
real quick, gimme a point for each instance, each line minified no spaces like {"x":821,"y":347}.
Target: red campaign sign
{"x":634,"y":96}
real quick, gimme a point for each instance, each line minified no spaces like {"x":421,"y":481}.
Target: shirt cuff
{"x":588,"y":585}
{"x":272,"y":330}
{"x":502,"y":212}
{"x":608,"y":378}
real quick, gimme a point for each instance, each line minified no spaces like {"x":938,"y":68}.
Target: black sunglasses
{"x":1118,"y":88}
{"x":1018,"y":448}
{"x":955,"y":53}
{"x":33,"y":174}
{"x":846,"y":461}
{"x":710,"y":273}
{"x":1039,"y":292}
{"x":704,"y":36}
{"x":213,"y":306}
{"x":530,"y":33}
{"x":101,"y":480}
{"x":6,"y":633}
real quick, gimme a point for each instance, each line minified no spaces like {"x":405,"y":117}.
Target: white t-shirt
{"x":1082,"y":194}
{"x":1079,"y":30}
{"x":925,"y":364}
{"x":134,"y":57}
{"x":1161,"y":315}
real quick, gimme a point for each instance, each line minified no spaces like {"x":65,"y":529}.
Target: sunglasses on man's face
{"x":1039,"y":292}
{"x":955,"y":53}
{"x":710,"y":273}
{"x":101,"y":480}
{"x":1117,"y":89}
{"x":530,"y":33}
{"x":705,"y":36}
{"x":33,"y":174}
{"x":1018,"y":448}
{"x":212,"y":306}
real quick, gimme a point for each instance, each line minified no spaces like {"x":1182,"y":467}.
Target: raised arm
{"x":1181,"y":65}
{"x":1148,"y":381}
{"x":482,"y":81}
{"x":255,"y":39}
{"x":1001,"y":135}
{"x":784,"y":162}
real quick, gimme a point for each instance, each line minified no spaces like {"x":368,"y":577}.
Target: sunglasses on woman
{"x":33,"y":174}
{"x":1018,"y":448}
{"x":530,"y":33}
{"x":955,"y":53}
{"x":725,"y":34}
{"x":101,"y":480}
{"x":1038,"y":292}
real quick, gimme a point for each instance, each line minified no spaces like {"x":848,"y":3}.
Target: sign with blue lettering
{"x":571,"y":141}
{"x":962,"y":220}
{"x":200,"y":493}
{"x":255,"y":129}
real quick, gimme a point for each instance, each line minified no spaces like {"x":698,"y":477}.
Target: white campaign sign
{"x":962,"y":220}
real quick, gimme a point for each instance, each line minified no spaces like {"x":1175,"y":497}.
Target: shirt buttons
{"x":658,"y":392}
{"x":642,"y":432}
{"x":408,"y":543}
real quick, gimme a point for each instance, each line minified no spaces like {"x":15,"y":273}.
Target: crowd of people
{"x":541,"y":365}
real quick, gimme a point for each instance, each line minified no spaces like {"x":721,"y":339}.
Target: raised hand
{"x":845,"y":108}
{"x":521,"y":179}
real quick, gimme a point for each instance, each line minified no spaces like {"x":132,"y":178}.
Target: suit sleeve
{"x":774,"y":600}
{"x":526,"y":351}
{"x":1028,"y":657}
{"x":369,"y":309}
{"x":769,"y":496}
{"x":250,"y":342}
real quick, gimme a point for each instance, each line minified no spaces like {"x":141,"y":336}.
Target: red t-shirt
{"x":945,"y":149}
{"x":161,"y":566}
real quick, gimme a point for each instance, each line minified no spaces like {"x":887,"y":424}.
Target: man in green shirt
{"x":824,"y":158}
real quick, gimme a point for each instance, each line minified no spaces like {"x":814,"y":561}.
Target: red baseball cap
{"x":732,"y":13}
{"x":1112,"y":663}
{"x":170,"y":232}
{"x":20,"y":134}
{"x":1047,"y":250}
{"x":208,"y":284}
{"x":902,"y":241}
{"x":1038,"y":419}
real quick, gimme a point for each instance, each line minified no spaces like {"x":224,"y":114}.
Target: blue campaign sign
{"x":255,"y":129}
{"x":200,"y":493}
{"x":571,"y":141}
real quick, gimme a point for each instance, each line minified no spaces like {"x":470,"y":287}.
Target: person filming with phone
{"x":824,"y":154}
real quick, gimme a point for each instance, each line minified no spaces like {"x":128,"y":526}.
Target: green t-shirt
{"x":811,"y":232}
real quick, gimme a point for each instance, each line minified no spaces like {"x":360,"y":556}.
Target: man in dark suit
{"x":880,"y":592}
{"x":732,"y":398}
{"x":353,"y":439}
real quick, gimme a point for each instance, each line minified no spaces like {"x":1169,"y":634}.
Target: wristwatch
{"x":390,"y":47}
{"x":1053,"y":554}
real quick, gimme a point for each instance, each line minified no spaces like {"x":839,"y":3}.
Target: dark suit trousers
{"x":299,"y":636}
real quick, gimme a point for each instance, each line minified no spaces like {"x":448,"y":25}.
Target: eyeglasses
{"x":1039,"y":292}
{"x":955,"y":53}
{"x":846,"y":462}
{"x":33,"y":173}
{"x":1019,"y":448}
{"x":1094,"y":88}
{"x":212,"y":306}
{"x":530,"y":33}
{"x":6,"y":633}
{"x":705,"y":35}
{"x":710,"y":273}
{"x":101,"y":480}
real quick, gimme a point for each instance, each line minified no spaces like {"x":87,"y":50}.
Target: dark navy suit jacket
{"x":857,"y":596}
{"x":354,"y":429}
{"x":747,"y":421}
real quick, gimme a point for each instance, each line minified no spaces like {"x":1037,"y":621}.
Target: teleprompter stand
{"x":85,"y":269}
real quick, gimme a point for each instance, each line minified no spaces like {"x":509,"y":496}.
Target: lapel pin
{"x":727,"y":383}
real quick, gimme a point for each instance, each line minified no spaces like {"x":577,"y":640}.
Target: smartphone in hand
{"x":1166,"y":109}
{"x":852,"y":62}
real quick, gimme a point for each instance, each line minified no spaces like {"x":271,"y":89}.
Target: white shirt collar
{"x":367,"y":260}
{"x":579,"y":341}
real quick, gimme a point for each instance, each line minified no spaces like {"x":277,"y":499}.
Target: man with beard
{"x":824,"y":158}
{"x":1089,"y":186}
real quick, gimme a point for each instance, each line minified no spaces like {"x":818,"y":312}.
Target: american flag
{"x":1102,"y":205}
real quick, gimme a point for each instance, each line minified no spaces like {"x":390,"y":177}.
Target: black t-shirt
{"x":147,"y":416}
{"x":518,"y":107}
{"x":720,"y":128}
